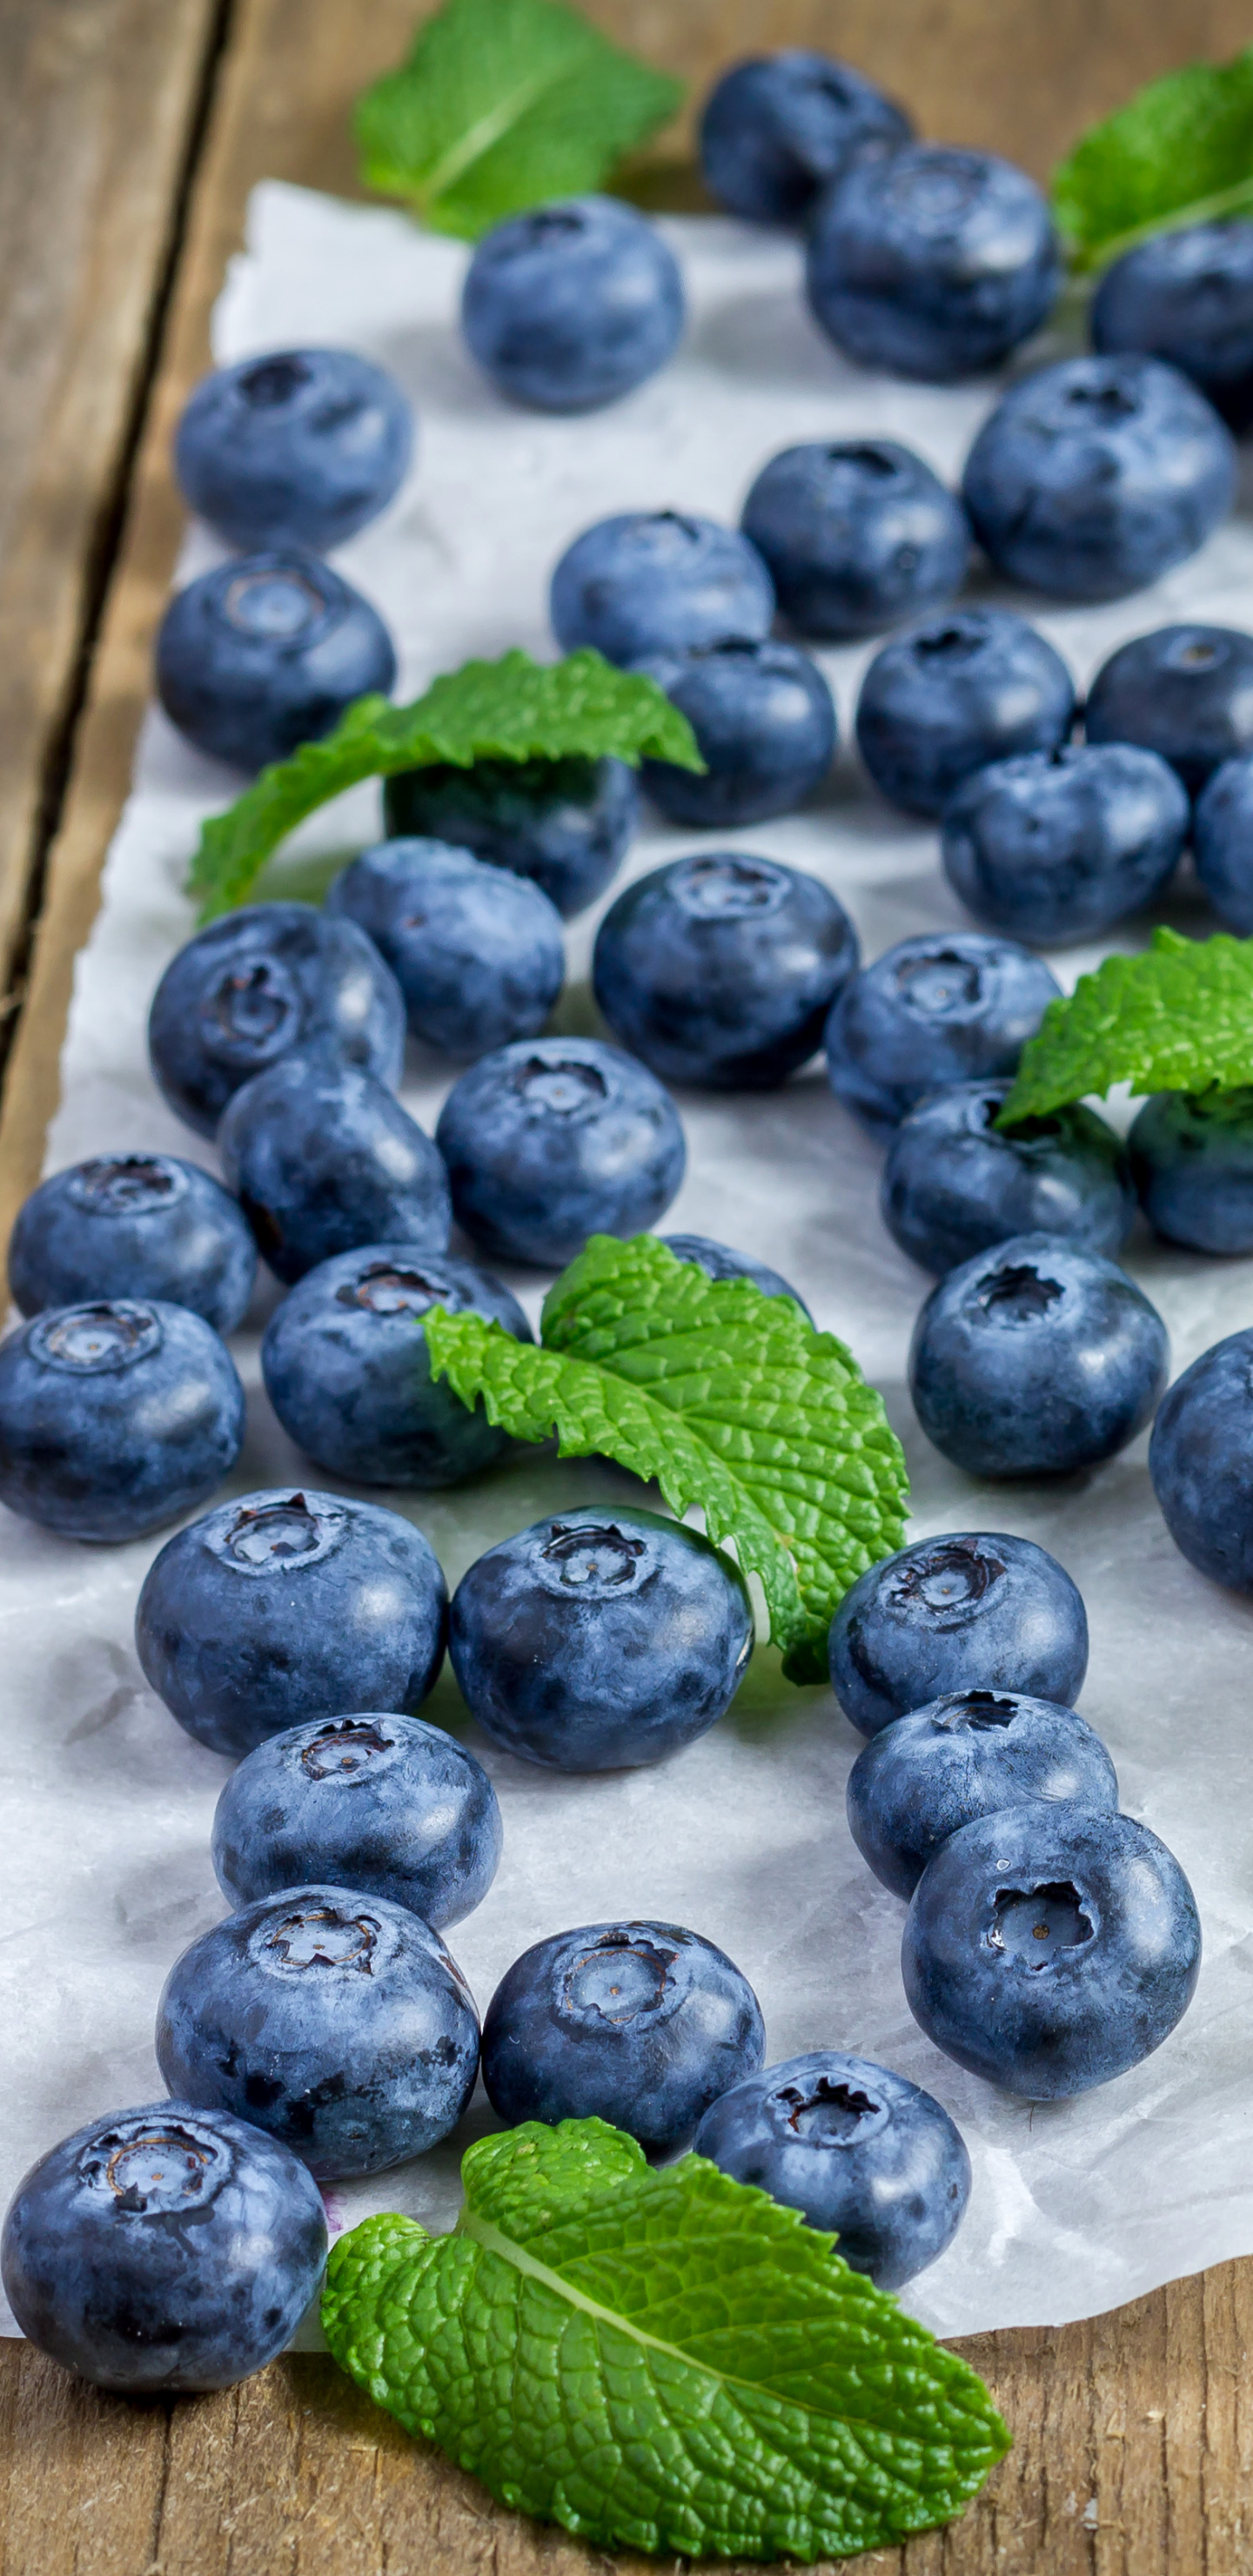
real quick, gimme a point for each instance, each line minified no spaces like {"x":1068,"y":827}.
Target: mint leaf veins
{"x":658,"y":2360}
{"x":514,"y":709}
{"x":501,"y":105}
{"x":727,"y":1397}
{"x":1180,"y":152}
{"x":1178,"y":1017}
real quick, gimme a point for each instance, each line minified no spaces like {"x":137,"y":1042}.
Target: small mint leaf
{"x":659,"y":2360}
{"x":727,"y":1398}
{"x":505,"y":104}
{"x":1178,"y":1017}
{"x":513,"y":709}
{"x":1180,"y":152}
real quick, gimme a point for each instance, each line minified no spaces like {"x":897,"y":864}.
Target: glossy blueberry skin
{"x":952,"y":694}
{"x":1036,"y":1359}
{"x":266,"y":652}
{"x":659,"y":581}
{"x":1049,"y":1949}
{"x":718,"y":1261}
{"x":640,"y":2024}
{"x":721,"y":969}
{"x":971,"y":1610}
{"x":954,"y":1183}
{"x":1059,"y":845}
{"x":600,"y":1639}
{"x":857,"y":533}
{"x":1201,"y":1462}
{"x":941,"y":1008}
{"x":1187,"y":297}
{"x":1095,"y":475}
{"x":1192,"y":1161}
{"x":1222,"y":843}
{"x":322,"y":1157}
{"x":765,"y":728}
{"x":347,"y":1371}
{"x":566,"y":824}
{"x":570,"y":306}
{"x":115,"y":1416}
{"x":163,"y":2250}
{"x":549,"y":1141}
{"x":134,"y":1225}
{"x":856,"y":2149}
{"x":1185,"y":692}
{"x":300,"y":447}
{"x":775,"y":131}
{"x":970,"y":1754}
{"x":283,"y":1607}
{"x":383,"y":1803}
{"x":476,"y":951}
{"x":931,"y":262}
{"x":270,"y":2016}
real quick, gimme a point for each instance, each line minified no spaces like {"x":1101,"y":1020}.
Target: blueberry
{"x":286,"y":1606}
{"x":570,"y":306}
{"x":346,"y":1366}
{"x":378,"y":1802}
{"x":477,"y":952}
{"x":1185,"y":692}
{"x":932,"y":262}
{"x":856,"y":2149}
{"x":775,"y":130}
{"x":300,"y":447}
{"x":1035,"y":1359}
{"x":857,"y":534}
{"x":954,"y":693}
{"x":718,"y":1261}
{"x":551,"y":1141}
{"x":163,"y":2251}
{"x":1049,"y":1949}
{"x":657,"y":582}
{"x":764,"y":725}
{"x":134,"y":1225}
{"x":941,"y":1008}
{"x":1187,"y":297}
{"x":1201,"y":1462}
{"x":564,"y":823}
{"x":1192,"y":1161}
{"x":323,"y":1157}
{"x":955,"y":1183}
{"x":722,"y":969}
{"x":265,"y":653}
{"x":115,"y":1415}
{"x":1057,"y":846}
{"x":258,"y":983}
{"x":600,"y":1639}
{"x":970,"y":1754}
{"x":640,"y":2024}
{"x":1222,"y":842}
{"x":971,"y":1610}
{"x":1095,"y":475}
{"x":334,"y":2020}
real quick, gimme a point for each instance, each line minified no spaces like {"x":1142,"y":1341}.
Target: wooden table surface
{"x":130,"y":134}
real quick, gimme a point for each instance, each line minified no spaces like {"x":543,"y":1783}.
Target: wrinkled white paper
{"x":107,"y":1805}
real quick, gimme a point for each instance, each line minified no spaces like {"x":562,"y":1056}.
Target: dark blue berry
{"x":1185,"y":692}
{"x":477,"y":952}
{"x":134,"y":1225}
{"x":265,"y":653}
{"x":970,"y":1754}
{"x":943,"y":1008}
{"x":775,"y":130}
{"x":300,"y":447}
{"x":1222,"y":843}
{"x":551,"y":1141}
{"x":659,"y":582}
{"x":1192,"y":1162}
{"x":954,"y":1183}
{"x":764,"y":723}
{"x":1057,"y":846}
{"x":323,"y":1157}
{"x":718,"y":1261}
{"x":1201,"y":1462}
{"x":857,"y":533}
{"x":932,"y":262}
{"x":954,"y":693}
{"x":1187,"y":297}
{"x":564,"y":823}
{"x":569,"y":306}
{"x":115,"y":1416}
{"x":971,"y":1610}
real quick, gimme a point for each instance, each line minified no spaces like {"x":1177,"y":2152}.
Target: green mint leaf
{"x":1180,"y":152}
{"x":514,"y":709}
{"x":1179,"y":1017}
{"x":659,"y":2360}
{"x":504,"y":104}
{"x":728,"y":1398}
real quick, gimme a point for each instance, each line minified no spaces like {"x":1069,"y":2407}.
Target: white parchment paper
{"x":107,"y":1805}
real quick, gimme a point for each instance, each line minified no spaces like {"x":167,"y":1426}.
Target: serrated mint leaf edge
{"x":1088,"y":251}
{"x":1131,"y":1059}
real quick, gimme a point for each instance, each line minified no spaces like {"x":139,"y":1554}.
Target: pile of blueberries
{"x":323,"y":2029}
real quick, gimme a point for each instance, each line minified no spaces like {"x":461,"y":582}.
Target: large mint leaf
{"x":504,"y":104}
{"x":1178,"y":1017}
{"x":728,"y":1398}
{"x":513,"y":709}
{"x":658,"y":2360}
{"x":1179,"y":152}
